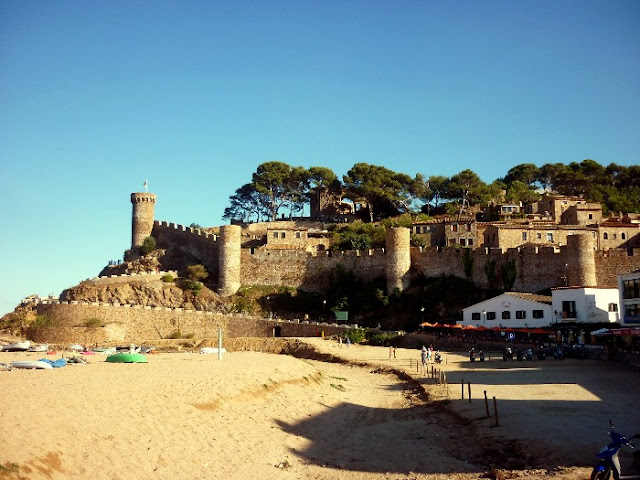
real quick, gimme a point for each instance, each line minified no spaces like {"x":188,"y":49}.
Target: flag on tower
{"x":145,"y":185}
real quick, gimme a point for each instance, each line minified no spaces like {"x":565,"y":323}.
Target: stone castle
{"x":295,"y":254}
{"x":535,"y":267}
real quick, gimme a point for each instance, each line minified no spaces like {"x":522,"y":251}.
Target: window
{"x":524,"y":236}
{"x":282,"y":234}
{"x":298,"y":235}
{"x":613,"y":307}
{"x":631,"y":288}
{"x":521,"y":314}
{"x":538,"y":314}
{"x":463,"y":242}
{"x":550,"y":237}
{"x":623,"y":236}
{"x":569,"y":309}
{"x":605,"y":236}
{"x":275,"y":234}
{"x":470,"y":242}
{"x":454,"y":228}
{"x":475,"y":315}
{"x":615,"y":236}
{"x":591,"y":216}
{"x":506,"y":315}
{"x":491,"y":315}
{"x":539,"y":236}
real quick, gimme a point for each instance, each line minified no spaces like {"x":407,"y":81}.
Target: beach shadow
{"x":360,"y":438}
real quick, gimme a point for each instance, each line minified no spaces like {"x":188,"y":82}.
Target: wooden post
{"x":469,"y":386}
{"x":462,"y":389}
{"x":495,"y":409}
{"x":486,"y":403}
{"x":220,"y":343}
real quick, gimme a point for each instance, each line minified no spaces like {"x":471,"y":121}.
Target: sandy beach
{"x":267,"y":416}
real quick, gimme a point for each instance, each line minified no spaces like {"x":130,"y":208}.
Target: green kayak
{"x":127,"y":358}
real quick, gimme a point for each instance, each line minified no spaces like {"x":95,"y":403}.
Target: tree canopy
{"x":278,"y":188}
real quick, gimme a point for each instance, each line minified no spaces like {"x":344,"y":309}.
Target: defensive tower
{"x":142,"y":219}
{"x":398,"y":242}
{"x":229,"y":259}
{"x":581,"y":261}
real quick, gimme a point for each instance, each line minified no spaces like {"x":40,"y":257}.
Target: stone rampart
{"x":195,"y":242}
{"x":310,"y":272}
{"x":131,"y":277}
{"x":88,"y":323}
{"x":611,"y":263}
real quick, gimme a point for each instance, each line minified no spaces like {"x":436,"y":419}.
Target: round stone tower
{"x":581,"y":261}
{"x":398,"y":256}
{"x":142,"y":219}
{"x":229,"y":258}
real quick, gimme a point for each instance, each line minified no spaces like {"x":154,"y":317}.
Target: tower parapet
{"x":398,"y":242}
{"x":142,"y":218}
{"x":229,"y":260}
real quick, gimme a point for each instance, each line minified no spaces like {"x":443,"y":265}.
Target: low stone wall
{"x":89,"y":323}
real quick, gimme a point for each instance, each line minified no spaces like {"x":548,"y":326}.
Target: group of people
{"x":427,"y":355}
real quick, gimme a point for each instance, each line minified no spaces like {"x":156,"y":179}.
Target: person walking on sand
{"x":394,"y":352}
{"x":390,"y":351}
{"x":339,"y":342}
{"x":423,"y":356}
{"x":348,"y":342}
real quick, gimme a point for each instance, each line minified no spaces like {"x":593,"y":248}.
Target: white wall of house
{"x":508,"y":305}
{"x":586,"y":305}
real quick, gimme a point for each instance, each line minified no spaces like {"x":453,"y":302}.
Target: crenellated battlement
{"x":182,"y":228}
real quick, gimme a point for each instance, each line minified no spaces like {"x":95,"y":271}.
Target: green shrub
{"x":175,"y":334}
{"x":148,"y":245}
{"x":168,"y":278}
{"x":356,"y":335}
{"x":384,"y":339}
{"x":196,"y":272}
{"x":93,"y":323}
{"x":194,"y":286}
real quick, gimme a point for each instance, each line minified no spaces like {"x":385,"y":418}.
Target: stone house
{"x":512,"y":235}
{"x":459,"y":231}
{"x":297,"y":238}
{"x":615,"y":233}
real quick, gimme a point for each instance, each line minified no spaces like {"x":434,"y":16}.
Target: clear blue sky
{"x":194,"y":95}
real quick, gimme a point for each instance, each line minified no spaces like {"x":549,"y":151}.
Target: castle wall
{"x":201,"y":245}
{"x":134,"y":323}
{"x":611,"y":263}
{"x":299,"y":269}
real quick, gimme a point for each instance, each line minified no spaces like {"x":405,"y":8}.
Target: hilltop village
{"x":557,"y":242}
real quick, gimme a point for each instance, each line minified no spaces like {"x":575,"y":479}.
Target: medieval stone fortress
{"x":560,"y":241}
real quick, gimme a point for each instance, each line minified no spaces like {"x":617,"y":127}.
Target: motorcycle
{"x":528,"y":354}
{"x":609,"y":462}
{"x":438,"y":357}
{"x":507,"y":354}
{"x":472,"y":355}
{"x":519,"y":355}
{"x":481,"y":356}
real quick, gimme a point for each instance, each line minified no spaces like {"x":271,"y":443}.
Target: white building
{"x":585,"y":305}
{"x":510,"y":310}
{"x":629,"y":287}
{"x":528,"y":310}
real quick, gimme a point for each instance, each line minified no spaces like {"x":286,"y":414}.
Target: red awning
{"x":625,"y":332}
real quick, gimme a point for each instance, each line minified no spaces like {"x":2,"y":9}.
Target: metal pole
{"x":220,"y":343}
